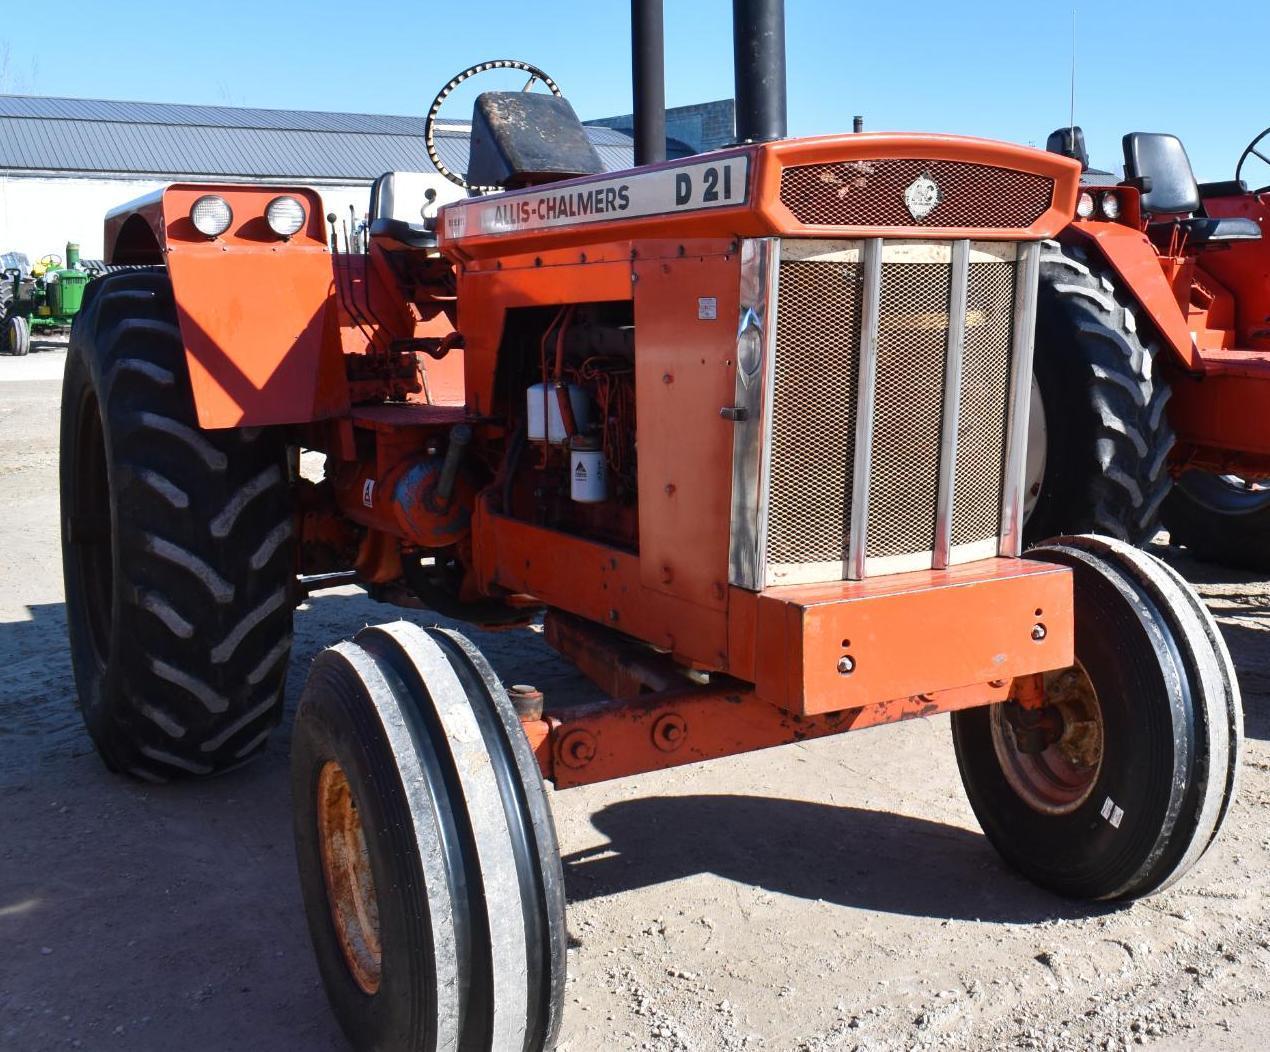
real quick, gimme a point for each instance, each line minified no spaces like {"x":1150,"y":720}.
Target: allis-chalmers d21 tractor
{"x":1153,"y":357}
{"x":748,"y":427}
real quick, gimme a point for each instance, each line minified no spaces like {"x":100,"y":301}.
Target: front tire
{"x":1136,"y":763}
{"x":1107,"y":438}
{"x":176,"y":548}
{"x":1221,"y":519}
{"x":428,"y":859}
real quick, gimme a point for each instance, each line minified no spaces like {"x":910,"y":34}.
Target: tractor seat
{"x":403,"y":208}
{"x":1200,"y":231}
{"x":1161,"y":162}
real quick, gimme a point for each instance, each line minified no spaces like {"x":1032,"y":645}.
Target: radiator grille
{"x":814,"y":402}
{"x":814,"y":398}
{"x":985,"y":382}
{"x":912,"y":342}
{"x":871,"y":194}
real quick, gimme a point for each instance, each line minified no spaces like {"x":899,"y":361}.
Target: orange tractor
{"x":747,"y":430}
{"x":1153,"y":356}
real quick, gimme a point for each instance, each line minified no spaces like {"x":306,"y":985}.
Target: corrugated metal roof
{"x":146,"y":138}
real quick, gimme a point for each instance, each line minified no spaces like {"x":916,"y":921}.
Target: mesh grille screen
{"x":985,"y":389}
{"x":871,"y":194}
{"x":813,"y":412}
{"x":814,"y":401}
{"x":912,"y":341}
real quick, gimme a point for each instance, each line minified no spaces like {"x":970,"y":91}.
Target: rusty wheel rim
{"x":350,"y":885}
{"x":1057,"y":780}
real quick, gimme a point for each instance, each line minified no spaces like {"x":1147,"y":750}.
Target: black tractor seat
{"x":1199,"y":231}
{"x":1159,"y":163}
{"x":398,"y":234}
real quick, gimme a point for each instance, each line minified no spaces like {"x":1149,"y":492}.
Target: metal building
{"x":65,"y":162}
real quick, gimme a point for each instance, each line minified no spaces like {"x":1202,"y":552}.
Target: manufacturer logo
{"x":922,"y":197}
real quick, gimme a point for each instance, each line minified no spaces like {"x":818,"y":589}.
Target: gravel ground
{"x":832,"y":895}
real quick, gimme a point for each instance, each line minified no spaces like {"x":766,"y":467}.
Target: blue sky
{"x":994,"y":69}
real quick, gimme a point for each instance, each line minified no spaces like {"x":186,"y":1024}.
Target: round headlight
{"x":211,"y":215}
{"x":1110,"y":205}
{"x":285,"y":216}
{"x":1085,"y":205}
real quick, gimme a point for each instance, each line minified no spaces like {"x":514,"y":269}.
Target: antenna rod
{"x":1071,"y":123}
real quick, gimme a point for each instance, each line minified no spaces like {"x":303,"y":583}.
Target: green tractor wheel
{"x":17,"y":336}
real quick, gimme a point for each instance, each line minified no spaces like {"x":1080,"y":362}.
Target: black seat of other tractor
{"x":1161,"y":161}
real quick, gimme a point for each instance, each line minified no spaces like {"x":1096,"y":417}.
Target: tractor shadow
{"x":846,"y":856}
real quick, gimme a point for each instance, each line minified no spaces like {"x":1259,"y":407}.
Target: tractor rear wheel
{"x":428,"y":858}
{"x":1119,"y":784}
{"x":1220,"y":518}
{"x":1107,"y":440}
{"x":17,"y":336}
{"x":176,"y":548}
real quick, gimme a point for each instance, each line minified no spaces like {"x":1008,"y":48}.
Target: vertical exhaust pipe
{"x":758,"y":46}
{"x":648,"y":75}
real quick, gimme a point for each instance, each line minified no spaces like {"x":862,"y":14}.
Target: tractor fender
{"x":1136,"y":262}
{"x":257,"y":311}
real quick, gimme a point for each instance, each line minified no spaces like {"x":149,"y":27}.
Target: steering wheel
{"x":535,"y":75}
{"x":50,"y":261}
{"x":1259,"y":148}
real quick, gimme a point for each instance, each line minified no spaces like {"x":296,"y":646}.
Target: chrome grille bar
{"x":1012,"y":494}
{"x":960,"y":281}
{"x":751,"y":411}
{"x":867,"y":382}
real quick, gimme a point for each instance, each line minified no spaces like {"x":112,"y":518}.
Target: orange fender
{"x":1128,"y":252}
{"x":257,"y":313}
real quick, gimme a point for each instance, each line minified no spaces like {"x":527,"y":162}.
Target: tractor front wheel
{"x":17,"y":336}
{"x":428,"y":859}
{"x":1115,"y":787}
{"x":176,"y":548}
{"x":1221,"y":518}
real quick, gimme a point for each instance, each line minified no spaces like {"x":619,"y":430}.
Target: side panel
{"x":685,"y":345}
{"x":1244,"y":267}
{"x":1135,"y":260}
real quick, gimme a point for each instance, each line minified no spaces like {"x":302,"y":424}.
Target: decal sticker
{"x":368,"y":493}
{"x":1112,"y":813}
{"x":685,"y":188}
{"x":707,"y":308}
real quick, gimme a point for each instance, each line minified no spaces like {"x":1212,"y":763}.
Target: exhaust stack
{"x":758,"y":46}
{"x":648,"y":73}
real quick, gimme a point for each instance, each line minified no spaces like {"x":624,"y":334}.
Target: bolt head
{"x":846,"y":664}
{"x":1038,"y":632}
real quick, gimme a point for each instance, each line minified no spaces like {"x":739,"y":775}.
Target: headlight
{"x":1110,"y":205}
{"x":211,"y":215}
{"x":285,"y":216}
{"x":1085,"y":205}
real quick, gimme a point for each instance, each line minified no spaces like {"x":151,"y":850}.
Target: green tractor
{"x":44,"y":298}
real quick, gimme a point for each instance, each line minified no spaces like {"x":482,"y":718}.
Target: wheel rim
{"x":1037,"y":443}
{"x":1058,"y":779}
{"x":90,"y":527}
{"x":350,"y":885}
{"x":1225,"y":494}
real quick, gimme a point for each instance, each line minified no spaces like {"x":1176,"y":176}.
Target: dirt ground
{"x":833,"y":895}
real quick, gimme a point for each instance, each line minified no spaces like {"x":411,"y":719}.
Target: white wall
{"x":39,"y":214}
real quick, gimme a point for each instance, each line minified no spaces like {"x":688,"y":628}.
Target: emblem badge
{"x":922,"y":196}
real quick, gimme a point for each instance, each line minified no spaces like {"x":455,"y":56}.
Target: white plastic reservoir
{"x":588,"y":476}
{"x":543,"y":397}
